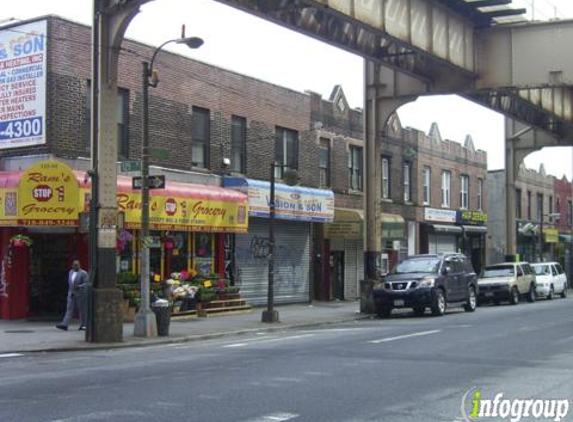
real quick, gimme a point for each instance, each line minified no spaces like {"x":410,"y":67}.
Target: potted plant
{"x":19,"y":240}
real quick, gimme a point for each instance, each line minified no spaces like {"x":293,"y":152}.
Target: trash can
{"x":162,"y":310}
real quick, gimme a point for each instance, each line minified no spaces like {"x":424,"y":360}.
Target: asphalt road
{"x":403,"y":369}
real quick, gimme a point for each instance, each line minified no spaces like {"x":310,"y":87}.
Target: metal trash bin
{"x":162,"y":310}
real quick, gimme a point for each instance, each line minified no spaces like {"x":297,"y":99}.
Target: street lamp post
{"x":290,"y":177}
{"x":145,"y":324}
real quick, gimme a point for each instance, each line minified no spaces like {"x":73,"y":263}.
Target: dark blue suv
{"x":428,"y":281}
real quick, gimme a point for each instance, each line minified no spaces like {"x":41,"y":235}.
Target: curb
{"x":134,"y":342}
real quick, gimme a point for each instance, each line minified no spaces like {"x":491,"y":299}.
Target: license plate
{"x":398,"y":302}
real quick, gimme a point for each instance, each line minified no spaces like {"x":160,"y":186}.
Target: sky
{"x":243,"y":43}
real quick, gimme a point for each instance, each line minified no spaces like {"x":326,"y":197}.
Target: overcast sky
{"x":240,"y":42}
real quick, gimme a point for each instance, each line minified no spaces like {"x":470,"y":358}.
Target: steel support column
{"x":510,"y":204}
{"x":378,"y":107}
{"x":111,"y":18}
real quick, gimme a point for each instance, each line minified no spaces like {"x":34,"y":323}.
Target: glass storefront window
{"x":203,"y":252}
{"x":180,"y":252}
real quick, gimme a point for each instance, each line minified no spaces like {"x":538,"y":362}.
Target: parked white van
{"x":551,"y":279}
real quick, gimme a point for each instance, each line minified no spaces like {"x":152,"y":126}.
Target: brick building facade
{"x":200,"y":114}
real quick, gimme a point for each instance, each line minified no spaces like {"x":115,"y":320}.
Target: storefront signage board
{"x":440,"y":215}
{"x":292,"y":202}
{"x":475,"y":218}
{"x":48,"y":195}
{"x":186,"y":214}
{"x":23,"y":54}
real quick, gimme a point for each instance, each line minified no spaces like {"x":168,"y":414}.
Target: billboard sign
{"x":23,"y":85}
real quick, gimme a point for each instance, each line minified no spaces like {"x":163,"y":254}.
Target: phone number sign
{"x":23,"y":53}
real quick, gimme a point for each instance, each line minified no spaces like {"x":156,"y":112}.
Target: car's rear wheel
{"x":471,"y":304}
{"x":564,"y":292}
{"x":514,"y":296}
{"x":531,"y":293}
{"x":384,"y":311}
{"x":419,"y":310}
{"x":439,"y":303}
{"x":551,"y":293}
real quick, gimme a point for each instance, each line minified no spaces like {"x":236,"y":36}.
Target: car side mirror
{"x":446,"y":270}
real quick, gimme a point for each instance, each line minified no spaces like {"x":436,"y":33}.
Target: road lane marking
{"x":276,"y":417}
{"x":11,"y":355}
{"x":422,"y":333}
{"x":259,"y":341}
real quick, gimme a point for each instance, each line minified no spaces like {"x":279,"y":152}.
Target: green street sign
{"x":160,"y":154}
{"x":127,"y":166}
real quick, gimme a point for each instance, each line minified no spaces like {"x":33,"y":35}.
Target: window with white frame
{"x":355,"y":168}
{"x":407,"y":176}
{"x":201,"y":133}
{"x":324,"y":163}
{"x":286,"y":150}
{"x":427,"y":178}
{"x":464,"y":191}
{"x":480,"y":194}
{"x":385,"y":178}
{"x":446,"y":181}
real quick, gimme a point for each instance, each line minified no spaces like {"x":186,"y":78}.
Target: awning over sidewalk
{"x":347,"y":224}
{"x":392,"y":226}
{"x":475,"y":229}
{"x":565,"y":238}
{"x":49,"y":193}
{"x":444,"y":228}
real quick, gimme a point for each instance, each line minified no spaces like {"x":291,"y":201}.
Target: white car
{"x":551,"y":279}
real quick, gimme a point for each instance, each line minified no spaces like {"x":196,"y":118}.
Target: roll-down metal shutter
{"x":441,"y":243}
{"x":292,"y":261}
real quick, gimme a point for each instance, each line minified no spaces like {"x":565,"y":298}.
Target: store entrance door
{"x":48,"y":278}
{"x":337,"y":261}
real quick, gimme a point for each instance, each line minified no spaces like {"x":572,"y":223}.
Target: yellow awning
{"x":346,"y":214}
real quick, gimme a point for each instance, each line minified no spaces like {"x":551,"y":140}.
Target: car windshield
{"x":542,"y":269}
{"x":418,"y":265}
{"x":499,"y":271}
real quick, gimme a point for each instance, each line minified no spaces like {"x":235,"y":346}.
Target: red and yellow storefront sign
{"x":47,"y":195}
{"x":185,"y":214}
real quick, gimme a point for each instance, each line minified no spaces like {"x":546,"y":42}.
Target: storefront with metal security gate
{"x":439,"y":232}
{"x":298,"y":209}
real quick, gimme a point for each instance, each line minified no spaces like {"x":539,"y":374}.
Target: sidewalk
{"x":24,"y":336}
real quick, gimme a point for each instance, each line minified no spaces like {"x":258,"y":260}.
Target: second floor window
{"x":539,"y":206}
{"x":464,"y":191}
{"x":427,"y":177}
{"x":324,"y":163}
{"x":518,"y":211}
{"x":239,"y":144}
{"x":286,"y":150}
{"x":480,"y":194}
{"x":201,"y":133}
{"x":385,"y":178}
{"x":122,"y":120}
{"x":355,"y":168}
{"x":446,"y":181}
{"x":407,"y":171}
{"x":550,"y":210}
{"x":570,"y":213}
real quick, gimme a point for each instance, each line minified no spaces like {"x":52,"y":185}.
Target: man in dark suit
{"x":77,"y":291}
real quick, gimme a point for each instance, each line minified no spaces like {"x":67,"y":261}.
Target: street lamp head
{"x":291,"y":177}
{"x":191,"y":42}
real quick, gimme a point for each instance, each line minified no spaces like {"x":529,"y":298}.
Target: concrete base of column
{"x":366,"y":298}
{"x":145,"y":324}
{"x":270,"y":316}
{"x":107,"y":319}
